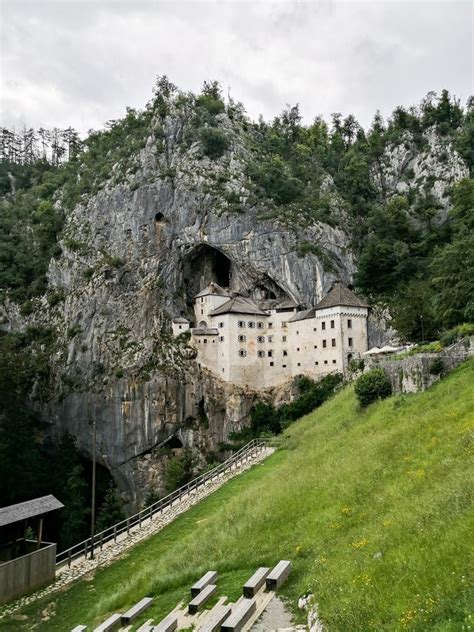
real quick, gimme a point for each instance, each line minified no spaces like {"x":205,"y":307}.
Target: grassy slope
{"x":373,"y":507}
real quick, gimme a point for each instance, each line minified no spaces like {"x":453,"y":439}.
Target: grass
{"x":372,"y":506}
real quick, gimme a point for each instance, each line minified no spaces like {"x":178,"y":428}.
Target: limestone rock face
{"x":134,"y":255}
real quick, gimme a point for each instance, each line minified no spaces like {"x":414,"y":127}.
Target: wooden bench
{"x":201,"y":598}
{"x":169,"y":624}
{"x":136,"y":610}
{"x":209,"y":578}
{"x":216,"y":618}
{"x":79,"y":628}
{"x":109,"y":624}
{"x":278,"y":575}
{"x":254,"y":583}
{"x":241,"y":613}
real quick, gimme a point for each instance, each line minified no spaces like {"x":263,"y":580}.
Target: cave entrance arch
{"x":204,"y":265}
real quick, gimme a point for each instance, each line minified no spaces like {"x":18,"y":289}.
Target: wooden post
{"x":40,"y":532}
{"x":93,"y":489}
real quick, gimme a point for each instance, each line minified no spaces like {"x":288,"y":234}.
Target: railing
{"x":87,"y":547}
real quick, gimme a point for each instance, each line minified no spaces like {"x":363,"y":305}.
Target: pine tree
{"x":111,"y":510}
{"x":75,"y":514}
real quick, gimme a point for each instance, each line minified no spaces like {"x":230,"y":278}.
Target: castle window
{"x":332,"y":324}
{"x":205,"y":340}
{"x":221,"y":325}
{"x":269,"y":338}
{"x":297,"y":332}
{"x":202,"y":299}
{"x":221,"y":338}
{"x":334,"y":361}
{"x":242,"y":338}
{"x":241,"y":323}
{"x":315,"y":346}
{"x":325,"y":361}
{"x":260,"y":338}
{"x":251,"y":324}
{"x":283,"y":338}
{"x":316,"y":363}
{"x":270,"y":353}
{"x":299,"y":363}
{"x":272,"y":363}
{"x":324,"y":344}
{"x":297,"y":348}
{"x":349,"y":323}
{"x":270,"y":325}
{"x":283,"y":366}
{"x":285,"y":352}
{"x":333,"y":342}
{"x":350,"y":342}
{"x":284,"y":323}
{"x":202,"y":312}
{"x":180,"y":326}
{"x":261,"y":354}
{"x":260,"y":324}
{"x":323,"y":325}
{"x":314,"y":328}
{"x":242,"y":353}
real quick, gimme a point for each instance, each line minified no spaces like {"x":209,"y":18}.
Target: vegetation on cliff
{"x":411,"y":255}
{"x":373,"y":507}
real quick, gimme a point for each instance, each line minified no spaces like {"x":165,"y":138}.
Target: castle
{"x":263,"y":343}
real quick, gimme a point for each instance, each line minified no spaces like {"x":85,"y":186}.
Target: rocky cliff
{"x":134,"y":253}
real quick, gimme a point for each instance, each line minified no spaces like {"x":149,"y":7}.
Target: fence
{"x":87,"y":547}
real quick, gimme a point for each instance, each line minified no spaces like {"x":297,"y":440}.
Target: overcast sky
{"x":79,"y":63}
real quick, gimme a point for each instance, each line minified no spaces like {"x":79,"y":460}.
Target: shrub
{"x":437,"y":367}
{"x":214,"y":142}
{"x":371,"y":386}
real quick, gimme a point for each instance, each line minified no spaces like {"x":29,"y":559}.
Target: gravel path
{"x":112,"y":550}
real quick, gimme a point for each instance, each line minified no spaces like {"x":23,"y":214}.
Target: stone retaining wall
{"x":418,"y":372}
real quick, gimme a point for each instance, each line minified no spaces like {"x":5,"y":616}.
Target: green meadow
{"x":374,"y":508}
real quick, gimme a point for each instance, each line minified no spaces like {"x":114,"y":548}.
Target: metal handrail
{"x":86,"y":547}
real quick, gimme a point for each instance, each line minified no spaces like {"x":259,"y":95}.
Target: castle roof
{"x":180,"y":320}
{"x":213,"y":288}
{"x":239,"y":305}
{"x":277,"y":303}
{"x":340,"y":295}
{"x":304,"y":315}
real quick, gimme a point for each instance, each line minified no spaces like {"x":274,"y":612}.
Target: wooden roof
{"x":28,"y":509}
{"x":239,"y":305}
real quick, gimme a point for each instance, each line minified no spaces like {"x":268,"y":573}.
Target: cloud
{"x":81,"y":63}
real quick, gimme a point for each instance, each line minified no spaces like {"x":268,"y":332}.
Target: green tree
{"x":372,"y":386}
{"x":453,"y":265}
{"x":75,"y":514}
{"x":111,"y":511}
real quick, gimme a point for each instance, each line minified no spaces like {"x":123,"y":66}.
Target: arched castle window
{"x":242,"y":338}
{"x":261,"y":354}
{"x":260,"y":338}
{"x":203,"y":324}
{"x":241,"y":323}
{"x":260,"y":324}
{"x":251,"y":324}
{"x":242,"y":353}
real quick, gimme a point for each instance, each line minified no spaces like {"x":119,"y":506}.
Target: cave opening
{"x":159,"y":217}
{"x":174,"y":443}
{"x":205,"y":265}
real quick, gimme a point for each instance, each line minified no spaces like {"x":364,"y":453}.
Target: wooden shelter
{"x":25,"y":564}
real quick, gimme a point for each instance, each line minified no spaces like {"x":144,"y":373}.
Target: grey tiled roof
{"x":305,"y":314}
{"x":213,"y":288}
{"x":239,"y":305}
{"x":28,"y":509}
{"x":341,"y":295}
